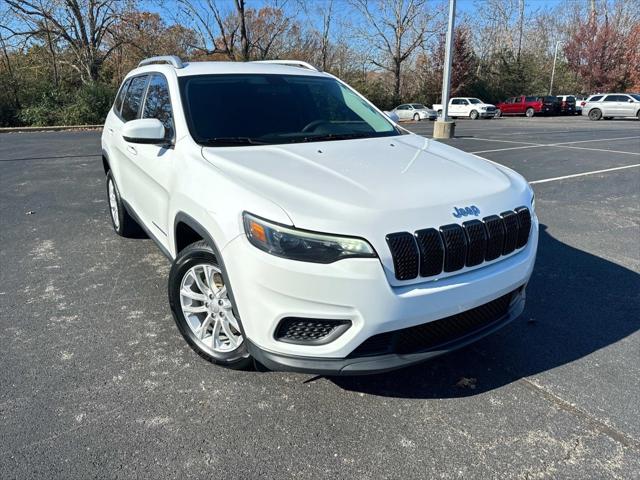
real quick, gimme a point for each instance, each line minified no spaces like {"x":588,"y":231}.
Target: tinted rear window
{"x":133,"y":98}
{"x":117,"y":106}
{"x":595,"y":99}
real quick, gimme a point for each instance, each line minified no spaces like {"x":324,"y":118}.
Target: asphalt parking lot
{"x":96,"y":381}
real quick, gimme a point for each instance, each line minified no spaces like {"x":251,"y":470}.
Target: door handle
{"x":132,"y":150}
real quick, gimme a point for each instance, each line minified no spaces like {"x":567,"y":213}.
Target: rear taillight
{"x":582,"y":104}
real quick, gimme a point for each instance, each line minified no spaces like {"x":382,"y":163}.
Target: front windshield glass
{"x":255,"y":109}
{"x":475,"y":101}
{"x":636,"y":96}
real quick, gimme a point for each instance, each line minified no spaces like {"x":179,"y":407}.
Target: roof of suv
{"x":213,"y":68}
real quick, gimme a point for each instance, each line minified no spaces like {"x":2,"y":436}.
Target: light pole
{"x":444,"y":127}
{"x":553,"y":70}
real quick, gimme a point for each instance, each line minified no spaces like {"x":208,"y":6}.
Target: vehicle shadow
{"x":577,"y":303}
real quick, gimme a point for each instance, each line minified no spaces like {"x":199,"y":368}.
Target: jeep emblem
{"x":466,"y":211}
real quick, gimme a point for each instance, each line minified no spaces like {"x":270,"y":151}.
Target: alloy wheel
{"x":113,"y":204}
{"x":206,"y":307}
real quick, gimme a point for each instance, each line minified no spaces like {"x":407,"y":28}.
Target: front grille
{"x":310,"y":331}
{"x":449,"y":248}
{"x":405,"y":255}
{"x":439,"y":332}
{"x":491,"y":109}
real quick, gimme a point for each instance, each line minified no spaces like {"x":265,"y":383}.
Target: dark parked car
{"x":551,"y":105}
{"x":568,"y":104}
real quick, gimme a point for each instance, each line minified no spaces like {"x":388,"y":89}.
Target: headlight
{"x":483,"y":108}
{"x":301,"y":245}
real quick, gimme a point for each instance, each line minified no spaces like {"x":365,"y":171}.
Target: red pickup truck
{"x":528,"y":106}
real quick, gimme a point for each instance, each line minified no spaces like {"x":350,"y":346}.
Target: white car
{"x":473,"y":108}
{"x":415,"y":112}
{"x":314,"y":236}
{"x":609,"y":105}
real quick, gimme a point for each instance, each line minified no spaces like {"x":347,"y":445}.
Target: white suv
{"x":612,"y":105}
{"x":314,"y":234}
{"x":473,"y":108}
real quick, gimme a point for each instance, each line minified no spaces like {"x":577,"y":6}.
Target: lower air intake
{"x":439,"y":332}
{"x":310,"y":331}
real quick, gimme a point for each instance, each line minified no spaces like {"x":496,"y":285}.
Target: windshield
{"x":475,"y":101}
{"x":254,"y":109}
{"x":418,"y":106}
{"x":636,"y":96}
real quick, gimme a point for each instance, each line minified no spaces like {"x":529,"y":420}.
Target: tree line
{"x":61,"y":61}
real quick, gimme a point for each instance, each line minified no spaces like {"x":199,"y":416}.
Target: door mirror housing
{"x":631,"y":101}
{"x":144,"y":130}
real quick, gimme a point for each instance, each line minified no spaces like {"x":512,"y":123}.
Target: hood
{"x":369,"y":188}
{"x":351,"y":187}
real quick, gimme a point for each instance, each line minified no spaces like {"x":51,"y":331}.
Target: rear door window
{"x":611,"y":98}
{"x":595,"y":98}
{"x":530,"y":99}
{"x":133,"y":98}
{"x":117,"y":105}
{"x":158,"y":103}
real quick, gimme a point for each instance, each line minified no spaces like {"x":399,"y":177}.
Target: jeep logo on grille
{"x":466,"y":211}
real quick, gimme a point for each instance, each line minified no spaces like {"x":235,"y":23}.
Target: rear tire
{"x":199,"y":289}
{"x":595,"y":114}
{"x":474,"y":115}
{"x":529,"y":112}
{"x":123,"y":223}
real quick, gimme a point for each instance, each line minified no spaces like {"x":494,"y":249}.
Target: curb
{"x":49,"y":129}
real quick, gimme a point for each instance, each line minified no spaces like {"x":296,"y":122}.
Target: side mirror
{"x":144,"y":130}
{"x":630,"y":101}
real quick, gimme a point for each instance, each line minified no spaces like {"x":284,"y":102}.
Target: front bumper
{"x":268,"y":288}
{"x":378,"y":363}
{"x":486,"y":114}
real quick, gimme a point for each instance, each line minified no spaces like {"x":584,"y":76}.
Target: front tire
{"x":203,"y":309}
{"x":123,"y":223}
{"x":498,"y":114}
{"x":529,"y":112}
{"x":474,"y":115}
{"x":416,"y":118}
{"x":595,"y":114}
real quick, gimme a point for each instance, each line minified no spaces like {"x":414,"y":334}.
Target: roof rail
{"x":293,"y":63}
{"x":170,"y":59}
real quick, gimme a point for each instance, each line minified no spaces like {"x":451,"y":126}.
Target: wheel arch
{"x":187,"y":230}
{"x":184,"y":220}
{"x":105,"y":162}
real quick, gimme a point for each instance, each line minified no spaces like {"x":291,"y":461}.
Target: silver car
{"x":609,"y":105}
{"x":414,"y":111}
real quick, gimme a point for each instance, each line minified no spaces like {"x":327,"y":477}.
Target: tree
{"x":395,"y":29}
{"x":83,"y":25}
{"x":236,"y":34}
{"x":597,"y":53}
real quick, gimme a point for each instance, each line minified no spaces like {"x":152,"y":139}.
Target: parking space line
{"x":597,"y":140}
{"x":585,"y":173}
{"x":509,"y":148}
{"x":501,"y":141}
{"x":596,"y":149}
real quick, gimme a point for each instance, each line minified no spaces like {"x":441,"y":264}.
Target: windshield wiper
{"x":334,"y":136}
{"x":222,"y":141}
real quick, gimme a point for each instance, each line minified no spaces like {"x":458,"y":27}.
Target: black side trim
{"x":135,"y":216}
